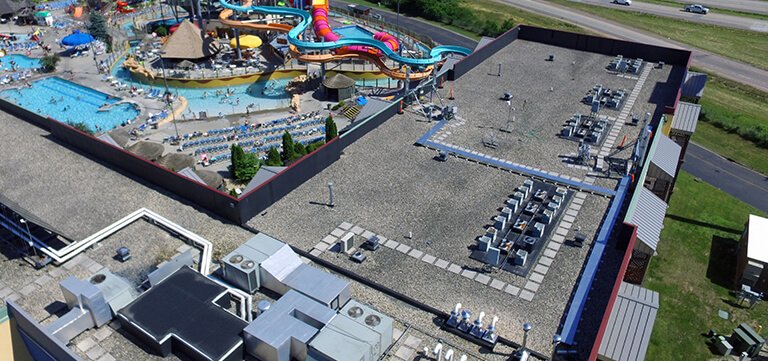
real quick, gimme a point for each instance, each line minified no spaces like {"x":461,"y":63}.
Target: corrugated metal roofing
{"x":372,"y":107}
{"x":686,"y":117}
{"x":264,"y":174}
{"x":648,"y":216}
{"x":666,"y":154}
{"x":191,"y":174}
{"x":630,"y":324}
{"x":693,"y":87}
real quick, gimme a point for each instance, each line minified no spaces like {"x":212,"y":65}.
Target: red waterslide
{"x":323,"y":30}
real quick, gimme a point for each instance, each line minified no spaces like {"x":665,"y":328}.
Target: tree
{"x":237,"y":154}
{"x":49,"y":62}
{"x":299,"y":149}
{"x":248,"y":168}
{"x":330,"y":129}
{"x":244,"y":165}
{"x":273,"y":158}
{"x":161,"y":31}
{"x":98,"y":26}
{"x":289,"y":150}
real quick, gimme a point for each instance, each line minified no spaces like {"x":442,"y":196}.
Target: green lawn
{"x":742,"y":45}
{"x":732,"y":146}
{"x":712,"y":10}
{"x":689,"y":301}
{"x":491,"y":10}
{"x":739,"y":106}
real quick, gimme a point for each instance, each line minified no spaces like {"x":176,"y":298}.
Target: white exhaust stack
{"x":438,"y":352}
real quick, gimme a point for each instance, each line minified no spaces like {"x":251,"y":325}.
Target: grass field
{"x":491,"y":10}
{"x":698,"y":217}
{"x":732,"y":146}
{"x":739,"y":106}
{"x":713,"y":10}
{"x":742,"y":45}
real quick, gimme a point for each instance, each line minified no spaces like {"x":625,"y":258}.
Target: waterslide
{"x":363,"y":48}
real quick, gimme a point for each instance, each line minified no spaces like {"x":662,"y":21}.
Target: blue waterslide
{"x":435,"y":55}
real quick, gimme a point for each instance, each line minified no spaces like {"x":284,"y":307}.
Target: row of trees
{"x":452,"y":12}
{"x":246,"y":165}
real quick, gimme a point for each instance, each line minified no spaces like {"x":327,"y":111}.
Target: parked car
{"x":696,"y":8}
{"x":377,"y":17}
{"x":623,"y":2}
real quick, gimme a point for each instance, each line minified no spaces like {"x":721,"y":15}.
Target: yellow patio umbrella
{"x":247,"y":42}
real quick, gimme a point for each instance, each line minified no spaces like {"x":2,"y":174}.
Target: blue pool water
{"x":68,"y":102}
{"x":22,"y":62}
{"x":261,"y":95}
{"x":353,"y":31}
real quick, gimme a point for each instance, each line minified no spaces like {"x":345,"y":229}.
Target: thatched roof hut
{"x":187,"y":42}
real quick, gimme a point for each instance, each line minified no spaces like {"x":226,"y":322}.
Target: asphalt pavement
{"x":747,"y":6}
{"x":732,"y":178}
{"x":728,"y":68}
{"x":713,"y":18}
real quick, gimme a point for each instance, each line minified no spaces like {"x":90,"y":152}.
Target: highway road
{"x":747,"y":6}
{"x":732,"y":178}
{"x":713,"y":18}
{"x":728,"y":68}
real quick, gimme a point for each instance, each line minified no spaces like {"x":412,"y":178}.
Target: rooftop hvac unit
{"x":372,"y":319}
{"x":241,"y":271}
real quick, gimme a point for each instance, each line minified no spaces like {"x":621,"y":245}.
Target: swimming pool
{"x":69,"y":102}
{"x":353,"y":31}
{"x":261,"y":95}
{"x":22,"y":62}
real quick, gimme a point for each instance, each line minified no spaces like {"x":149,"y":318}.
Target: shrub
{"x":313,"y":146}
{"x":49,"y":62}
{"x":273,"y":158}
{"x":330,"y":129}
{"x":81,"y":127}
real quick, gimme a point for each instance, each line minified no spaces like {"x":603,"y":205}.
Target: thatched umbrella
{"x":212,"y":179}
{"x":147,"y":150}
{"x":176,"y":161}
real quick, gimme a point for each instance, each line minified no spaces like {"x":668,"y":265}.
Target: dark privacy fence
{"x":240,"y":210}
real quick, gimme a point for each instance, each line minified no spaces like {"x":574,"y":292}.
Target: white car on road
{"x":623,"y":2}
{"x":696,"y":8}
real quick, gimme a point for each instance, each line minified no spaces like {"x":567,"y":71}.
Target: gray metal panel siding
{"x":317,"y":284}
{"x":666,"y":155}
{"x":686,"y":117}
{"x":649,"y":217}
{"x":630,"y":324}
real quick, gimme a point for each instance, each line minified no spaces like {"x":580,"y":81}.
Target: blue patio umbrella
{"x":77,"y":38}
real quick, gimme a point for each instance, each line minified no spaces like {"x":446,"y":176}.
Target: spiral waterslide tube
{"x":435,"y":55}
{"x":323,"y":30}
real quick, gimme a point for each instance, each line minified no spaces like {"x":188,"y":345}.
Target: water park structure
{"x":381,"y":45}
